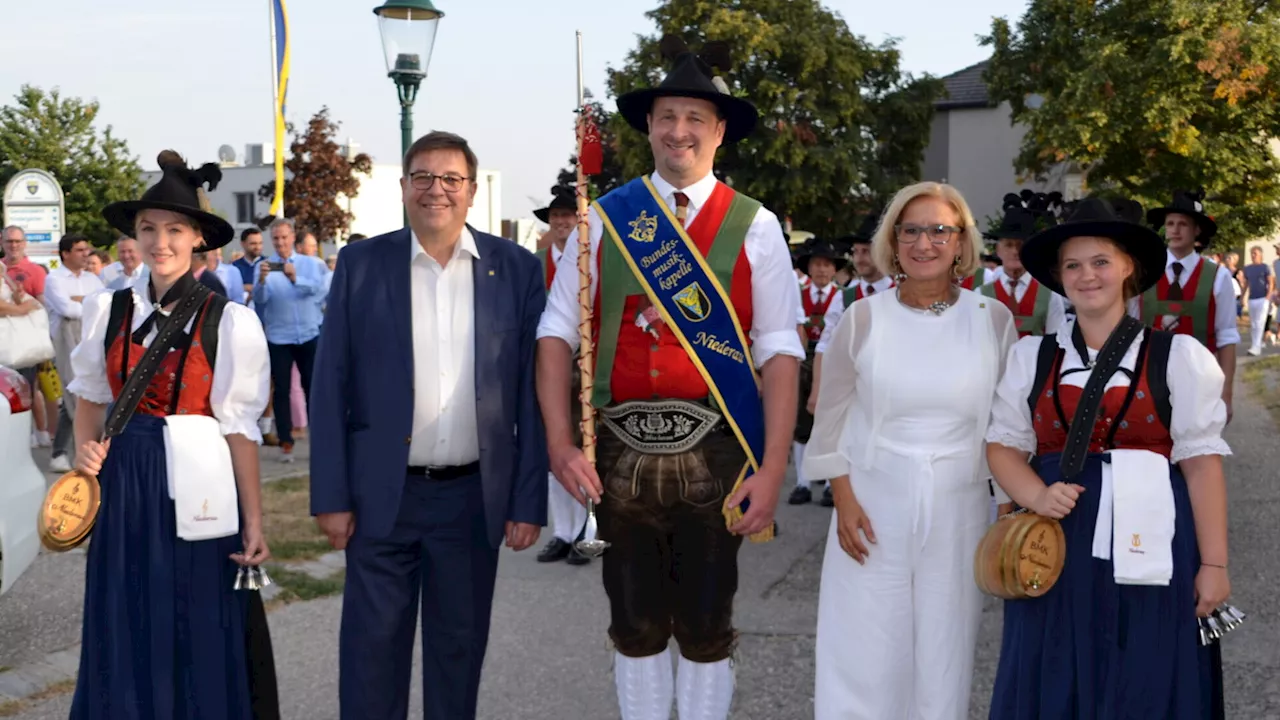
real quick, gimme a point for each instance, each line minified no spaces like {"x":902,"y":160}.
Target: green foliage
{"x":841,"y":126}
{"x":1151,"y":96}
{"x":317,"y":174}
{"x":47,"y":131}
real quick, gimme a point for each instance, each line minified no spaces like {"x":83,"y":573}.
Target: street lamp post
{"x":408,"y":29}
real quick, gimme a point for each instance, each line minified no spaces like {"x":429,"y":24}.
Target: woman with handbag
{"x":907,"y":382}
{"x":1125,"y":426}
{"x":164,"y":632}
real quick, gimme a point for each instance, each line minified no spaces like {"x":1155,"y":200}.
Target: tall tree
{"x":318,"y":174}
{"x":841,"y":126}
{"x":611,"y":175}
{"x":47,"y":131}
{"x":1151,"y":96}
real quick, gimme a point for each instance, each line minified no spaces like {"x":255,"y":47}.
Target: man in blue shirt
{"x":285,"y":295}
{"x":251,"y":243}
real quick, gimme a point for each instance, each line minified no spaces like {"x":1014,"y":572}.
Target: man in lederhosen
{"x":684,"y":269}
{"x":1194,"y":297}
{"x":565,"y":514}
{"x":1037,"y":310}
{"x":820,"y":261}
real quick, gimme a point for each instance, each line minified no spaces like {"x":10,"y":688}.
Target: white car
{"x":22,"y":485}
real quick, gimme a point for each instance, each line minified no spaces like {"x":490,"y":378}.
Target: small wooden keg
{"x":1021,"y":556}
{"x":69,"y":511}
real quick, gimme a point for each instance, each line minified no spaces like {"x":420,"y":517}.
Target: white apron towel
{"x":202,"y":482}
{"x":1138,"y":497}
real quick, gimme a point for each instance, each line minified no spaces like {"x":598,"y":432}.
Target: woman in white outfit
{"x":907,"y":385}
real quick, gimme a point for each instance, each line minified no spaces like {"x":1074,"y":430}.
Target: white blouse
{"x":885,"y":377}
{"x":1195,"y":394}
{"x":241,"y":373}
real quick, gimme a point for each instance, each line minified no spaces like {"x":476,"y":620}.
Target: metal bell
{"x":239,"y":583}
{"x":263,"y":579}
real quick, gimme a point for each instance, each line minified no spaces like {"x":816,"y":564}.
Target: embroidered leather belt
{"x":661,"y":427}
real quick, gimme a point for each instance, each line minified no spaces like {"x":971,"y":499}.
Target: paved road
{"x":549,"y":658}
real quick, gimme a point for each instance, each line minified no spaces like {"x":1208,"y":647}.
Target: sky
{"x":193,"y":76}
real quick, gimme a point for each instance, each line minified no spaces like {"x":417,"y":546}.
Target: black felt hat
{"x":695,"y":76}
{"x":1018,"y":223}
{"x":179,"y":190}
{"x":1117,"y":219}
{"x":560,"y":200}
{"x":865,"y":232}
{"x":818,"y":248}
{"x":1186,"y":202}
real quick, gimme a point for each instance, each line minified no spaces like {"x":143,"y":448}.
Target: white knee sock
{"x":645,"y":686}
{"x":704,"y":690}
{"x":797,"y":455}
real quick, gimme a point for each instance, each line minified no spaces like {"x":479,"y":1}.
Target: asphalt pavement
{"x":549,"y":655}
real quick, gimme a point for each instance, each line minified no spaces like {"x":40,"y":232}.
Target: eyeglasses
{"x":424,"y":180}
{"x":937,"y":234}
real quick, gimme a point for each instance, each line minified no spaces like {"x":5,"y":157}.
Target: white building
{"x":377,"y":207}
{"x":973,"y":145}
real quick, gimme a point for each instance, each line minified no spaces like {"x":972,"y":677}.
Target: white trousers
{"x":1258,"y":310}
{"x":896,"y":636}
{"x":566,"y":515}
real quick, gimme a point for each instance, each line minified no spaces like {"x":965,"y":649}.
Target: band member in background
{"x":566,"y":515}
{"x":1036,"y":310}
{"x":672,"y":501}
{"x":1116,"y":635}
{"x":820,"y":260}
{"x":1194,"y":296}
{"x":868,"y":279}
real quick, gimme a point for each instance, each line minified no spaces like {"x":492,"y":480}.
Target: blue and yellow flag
{"x":280,"y":73}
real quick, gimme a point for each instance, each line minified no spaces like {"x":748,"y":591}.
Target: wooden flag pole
{"x":586,"y":353}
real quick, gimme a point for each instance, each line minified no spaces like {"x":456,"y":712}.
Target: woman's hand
{"x":854,"y":528}
{"x":1057,"y":500}
{"x":1213,"y":587}
{"x":91,"y":456}
{"x":255,"y":547}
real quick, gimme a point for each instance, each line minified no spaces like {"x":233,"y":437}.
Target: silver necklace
{"x":936,"y":308}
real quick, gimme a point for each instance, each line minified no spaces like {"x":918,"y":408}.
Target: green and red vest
{"x":816,"y":311}
{"x":979,"y":278}
{"x":854,"y":292}
{"x":1195,"y":313}
{"x":630,"y":363}
{"x":1029,"y":315}
{"x":548,"y":267}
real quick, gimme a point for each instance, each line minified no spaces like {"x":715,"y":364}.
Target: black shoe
{"x":827,"y":500}
{"x":577,"y":558}
{"x":800,"y":496}
{"x":555,"y":551}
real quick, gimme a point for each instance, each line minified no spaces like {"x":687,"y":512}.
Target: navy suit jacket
{"x":362,"y":386}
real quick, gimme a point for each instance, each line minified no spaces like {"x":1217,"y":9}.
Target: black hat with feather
{"x":696,"y":76}
{"x":1186,"y":202}
{"x":180,"y":190}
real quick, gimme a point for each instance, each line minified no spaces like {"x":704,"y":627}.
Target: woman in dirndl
{"x":165,"y":635}
{"x":1140,"y":494}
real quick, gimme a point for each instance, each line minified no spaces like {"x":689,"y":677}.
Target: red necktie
{"x":682,"y":207}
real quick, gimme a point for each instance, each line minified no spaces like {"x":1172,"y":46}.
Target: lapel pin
{"x":490,"y":273}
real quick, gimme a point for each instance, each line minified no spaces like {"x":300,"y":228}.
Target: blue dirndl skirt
{"x":164,"y":633}
{"x":1090,"y":648}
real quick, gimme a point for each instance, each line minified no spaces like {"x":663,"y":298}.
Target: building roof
{"x":965,"y":89}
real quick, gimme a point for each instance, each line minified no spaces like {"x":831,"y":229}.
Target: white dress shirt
{"x":241,"y":383}
{"x":444,"y":356}
{"x":60,"y":287}
{"x":1195,"y":394}
{"x":1226,"y":332}
{"x":1054,"y":316}
{"x":774,"y":305}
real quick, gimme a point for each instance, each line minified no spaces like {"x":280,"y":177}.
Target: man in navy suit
{"x":427,"y":444}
